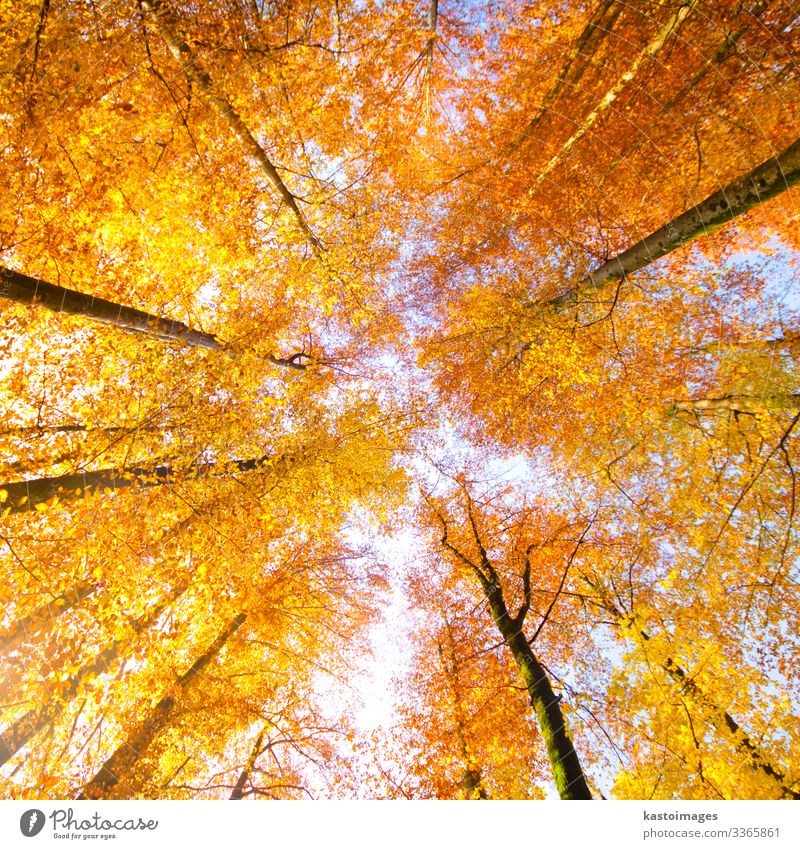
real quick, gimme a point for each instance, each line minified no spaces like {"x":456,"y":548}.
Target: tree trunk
{"x":718,"y":716}
{"x":31,"y":290}
{"x":729,"y":727}
{"x":789,"y":342}
{"x":26,"y":495}
{"x":473,"y":784}
{"x":739,"y":403}
{"x":167,"y":26}
{"x":570,"y":780}
{"x":472,"y":781}
{"x":244,"y":776}
{"x":762,"y":183}
{"x":567,"y":770}
{"x":33,"y":430}
{"x":427,"y":51}
{"x":725,"y":49}
{"x":649,"y":51}
{"x":31,"y":624}
{"x":595,"y":31}
{"x":118,"y":767}
{"x":22,"y":730}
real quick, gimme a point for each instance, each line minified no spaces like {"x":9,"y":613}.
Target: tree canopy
{"x":449,"y":347}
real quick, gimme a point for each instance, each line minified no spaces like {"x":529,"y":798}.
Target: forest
{"x":400,"y":399}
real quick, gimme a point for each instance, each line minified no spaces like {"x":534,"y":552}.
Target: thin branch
{"x":557,"y":594}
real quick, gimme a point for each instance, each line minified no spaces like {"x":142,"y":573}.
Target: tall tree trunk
{"x":244,"y":775}
{"x":31,"y":290}
{"x":472,"y":781}
{"x":579,"y":59}
{"x":569,"y":777}
{"x":718,"y":716}
{"x":567,"y":771}
{"x":118,"y":767}
{"x":649,"y":51}
{"x":31,"y":624}
{"x":788,"y":342}
{"x":427,"y":51}
{"x":767,"y":180}
{"x":33,"y":430}
{"x":26,"y":495}
{"x":739,"y":403}
{"x":22,"y":730}
{"x":727,"y":48}
{"x":592,"y":36}
{"x":166,"y":25}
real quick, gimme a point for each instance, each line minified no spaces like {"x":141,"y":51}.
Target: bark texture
{"x":31,"y":290}
{"x":22,"y":496}
{"x":767,"y":180}
{"x":567,"y":770}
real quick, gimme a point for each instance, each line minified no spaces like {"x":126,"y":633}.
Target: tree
{"x":244,"y":777}
{"x":116,"y":768}
{"x":37,"y":494}
{"x":464,"y":728}
{"x":29,"y":625}
{"x":264,"y":264}
{"x":718,"y":716}
{"x":567,"y":771}
{"x":195,"y":74}
{"x":762,"y":183}
{"x":35,"y":720}
{"x":30,"y":290}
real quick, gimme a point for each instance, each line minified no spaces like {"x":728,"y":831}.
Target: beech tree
{"x":568,"y":773}
{"x":126,"y":756}
{"x":264,"y":266}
